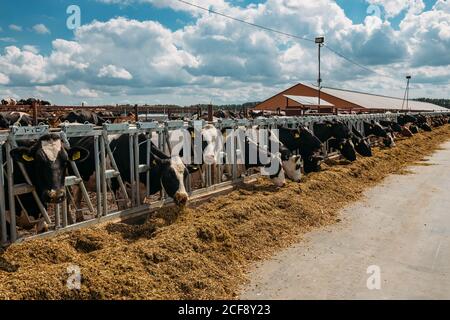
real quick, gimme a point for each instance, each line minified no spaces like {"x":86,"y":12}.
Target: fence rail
{"x":97,"y":206}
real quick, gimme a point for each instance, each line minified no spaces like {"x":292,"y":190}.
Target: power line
{"x":279,"y":32}
{"x":246,"y":22}
{"x":351,"y":61}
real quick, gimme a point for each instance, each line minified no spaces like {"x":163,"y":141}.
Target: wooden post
{"x":136,"y":114}
{"x":34,"y":105}
{"x":210,"y":113}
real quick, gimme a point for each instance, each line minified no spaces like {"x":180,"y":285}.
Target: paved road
{"x":402,"y":227}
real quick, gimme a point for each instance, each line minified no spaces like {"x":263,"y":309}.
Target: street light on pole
{"x":406,"y":96}
{"x":320,"y":42}
{"x":408,"y":78}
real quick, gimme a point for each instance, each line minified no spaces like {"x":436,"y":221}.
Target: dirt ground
{"x":401,"y":226}
{"x":202,"y":252}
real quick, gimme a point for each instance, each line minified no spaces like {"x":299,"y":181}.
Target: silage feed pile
{"x":202,"y":252}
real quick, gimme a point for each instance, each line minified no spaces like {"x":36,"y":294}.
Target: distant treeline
{"x":228,"y":106}
{"x":440,"y":102}
{"x":205,"y":106}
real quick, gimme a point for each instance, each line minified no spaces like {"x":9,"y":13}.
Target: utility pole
{"x":406,"y":95}
{"x":320,"y":41}
{"x":408,"y":78}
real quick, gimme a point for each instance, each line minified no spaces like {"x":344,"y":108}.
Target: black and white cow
{"x":414,"y":129}
{"x":82,"y":116}
{"x":269,"y":163}
{"x":394,"y":126}
{"x":291,"y":162}
{"x":168,"y":173}
{"x":45,"y":161}
{"x":341,"y":135}
{"x":9,"y":102}
{"x":8,"y":119}
{"x":305,"y":143}
{"x":422,"y":123}
{"x":404,"y":119}
{"x":375,"y":129}
{"x":362,"y":146}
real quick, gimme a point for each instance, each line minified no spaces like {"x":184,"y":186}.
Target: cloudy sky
{"x":164,"y":51}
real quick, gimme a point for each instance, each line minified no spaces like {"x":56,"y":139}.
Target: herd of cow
{"x":301,"y":151}
{"x":23,"y":102}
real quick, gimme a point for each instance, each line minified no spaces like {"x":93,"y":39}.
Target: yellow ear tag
{"x":341,"y":146}
{"x":329,"y":125}
{"x":193,"y":134}
{"x":154,"y":162}
{"x":297,"y":135}
{"x":76,"y":156}
{"x":27,"y":158}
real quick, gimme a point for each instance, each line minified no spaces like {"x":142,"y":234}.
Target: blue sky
{"x":188,"y":56}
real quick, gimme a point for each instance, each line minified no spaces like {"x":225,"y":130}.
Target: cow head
{"x":388,"y":141}
{"x":396,"y":127}
{"x":414,"y":129}
{"x":425,"y":126}
{"x":312,"y":163}
{"x":292,"y":166}
{"x":345,"y":148}
{"x":278,"y":177}
{"x":376,"y":129}
{"x":406,"y":132}
{"x":362,"y":146}
{"x":46,"y":162}
{"x":173,"y":174}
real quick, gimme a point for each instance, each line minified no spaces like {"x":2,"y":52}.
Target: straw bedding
{"x":202,"y":252}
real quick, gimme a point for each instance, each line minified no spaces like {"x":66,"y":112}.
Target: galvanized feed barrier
{"x":131,"y":203}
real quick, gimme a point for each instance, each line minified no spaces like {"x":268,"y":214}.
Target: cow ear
{"x":77,"y":154}
{"x":192,"y":168}
{"x":156,"y":161}
{"x":22,"y":154}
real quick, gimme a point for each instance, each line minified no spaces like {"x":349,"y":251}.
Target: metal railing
{"x":97,"y":205}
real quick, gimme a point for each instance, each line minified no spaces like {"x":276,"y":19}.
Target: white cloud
{"x":31,"y":48}
{"x":430,"y":35}
{"x":216,"y":59}
{"x":4,"y":79}
{"x":87,"y":93}
{"x":111,"y":71}
{"x":24,"y":67}
{"x":61,"y":89}
{"x":41,"y":29}
{"x":8,"y":39}
{"x":15,"y":27}
{"x":393,"y":8}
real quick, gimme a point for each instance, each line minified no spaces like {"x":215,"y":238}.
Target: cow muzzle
{"x":55,"y":196}
{"x":181,"y":199}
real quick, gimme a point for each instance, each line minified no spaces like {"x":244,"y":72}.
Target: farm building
{"x":302,"y":98}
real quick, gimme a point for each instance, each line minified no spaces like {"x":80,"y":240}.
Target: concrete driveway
{"x":396,"y":242}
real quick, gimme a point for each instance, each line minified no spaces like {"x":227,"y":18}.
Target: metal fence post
{"x":3,"y":232}
{"x":12,"y":204}
{"x":136,"y":169}
{"x":104,"y":189}
{"x":98,"y":184}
